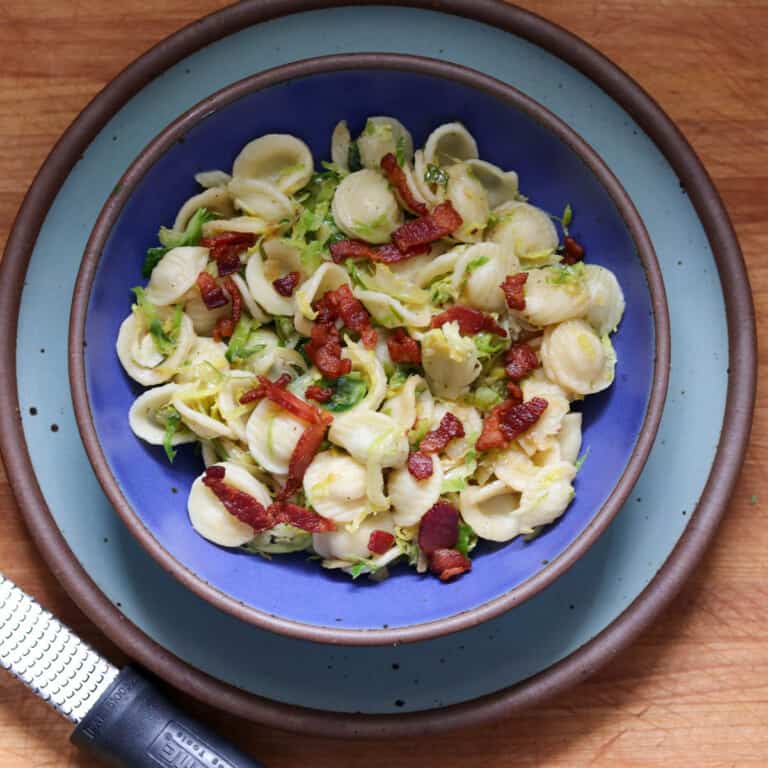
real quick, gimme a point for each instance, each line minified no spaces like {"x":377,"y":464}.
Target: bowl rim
{"x":297,"y":70}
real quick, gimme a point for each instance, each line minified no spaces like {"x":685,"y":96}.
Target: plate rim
{"x":590,"y":656}
{"x":329,"y":64}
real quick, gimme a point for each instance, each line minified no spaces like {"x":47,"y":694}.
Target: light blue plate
{"x":498,"y":654}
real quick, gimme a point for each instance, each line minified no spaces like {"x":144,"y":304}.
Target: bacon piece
{"x":514,"y":290}
{"x":225,"y":326}
{"x":399,"y":181}
{"x":520,"y":360}
{"x":276,"y":392}
{"x":286,"y":284}
{"x":226,"y":249}
{"x":514,"y":392}
{"x":380,"y":542}
{"x":238,"y":503}
{"x":402,"y":348}
{"x":447,"y":563}
{"x":307,"y":446}
{"x":300,"y":517}
{"x":420,"y":465}
{"x":470,"y":320}
{"x":386,"y":254}
{"x":439,"y":528}
{"x":443,"y":220}
{"x":342,"y":304}
{"x":436,"y":440}
{"x":324,"y":350}
{"x":318,"y":394}
{"x":211,"y":292}
{"x":574,"y":251}
{"x":509,"y":420}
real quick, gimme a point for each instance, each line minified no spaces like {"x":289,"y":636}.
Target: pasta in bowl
{"x":379,"y":349}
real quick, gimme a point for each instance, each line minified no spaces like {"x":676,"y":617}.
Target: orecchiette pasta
{"x":367,"y":355}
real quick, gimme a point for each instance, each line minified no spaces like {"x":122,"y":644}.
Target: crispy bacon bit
{"x":514,"y":290}
{"x":447,"y":563}
{"x":509,"y":420}
{"x":439,"y":528}
{"x":514,"y":392}
{"x":238,"y":503}
{"x":342,"y":304}
{"x":324,"y":350}
{"x":300,"y":517}
{"x":318,"y":394}
{"x":226,"y":249}
{"x":470,"y":320}
{"x":307,"y":446}
{"x":520,"y":360}
{"x":436,"y":440}
{"x":211,"y":292}
{"x":574,"y":251}
{"x":386,"y":254}
{"x":286,"y":284}
{"x":420,"y":465}
{"x":380,"y":542}
{"x":402,"y":348}
{"x":276,"y":392}
{"x":443,"y":220}
{"x":225,"y":326}
{"x":399,"y":181}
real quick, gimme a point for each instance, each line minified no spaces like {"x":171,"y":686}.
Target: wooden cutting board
{"x":693,"y":690}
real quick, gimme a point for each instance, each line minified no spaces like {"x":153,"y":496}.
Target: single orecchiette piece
{"x":334,"y":485}
{"x":450,"y":361}
{"x":381,"y":136}
{"x":340,"y":141}
{"x":139,"y":355}
{"x":555,"y":294}
{"x":470,"y":201}
{"x":543,"y":433}
{"x":204,"y":352}
{"x":254,"y":310}
{"x":363,"y":432}
{"x":606,"y":305}
{"x":228,"y":402}
{"x":253,"y":225}
{"x":402,"y":405}
{"x":448,"y":144}
{"x":412,"y":498}
{"x":261,"y":199}
{"x":470,"y":419}
{"x":175,"y":274}
{"x":187,"y":400}
{"x":210,"y":518}
{"x":147,"y":420}
{"x":546,"y":496}
{"x":514,"y":466}
{"x":277,"y":158}
{"x":278,"y":259}
{"x":212,"y":179}
{"x":216,"y":200}
{"x":479,"y":273}
{"x":570,"y":437}
{"x":491,"y":510}
{"x":364,"y":207}
{"x":272,"y":435}
{"x":351,"y":545}
{"x":576,"y":358}
{"x":500,"y":186}
{"x":528,"y":230}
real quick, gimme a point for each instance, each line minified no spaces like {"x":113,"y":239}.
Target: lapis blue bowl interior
{"x":551,"y":175}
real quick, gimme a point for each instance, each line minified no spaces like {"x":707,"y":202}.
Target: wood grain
{"x":693,"y":691}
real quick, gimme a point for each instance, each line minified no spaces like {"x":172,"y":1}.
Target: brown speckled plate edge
{"x":577,"y":666}
{"x":425,"y":630}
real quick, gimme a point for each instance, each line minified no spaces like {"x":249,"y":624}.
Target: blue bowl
{"x":289,"y":594}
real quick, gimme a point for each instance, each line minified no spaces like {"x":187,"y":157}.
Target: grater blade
{"x":47,"y":657}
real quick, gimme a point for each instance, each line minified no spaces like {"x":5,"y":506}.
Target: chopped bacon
{"x":318,"y":394}
{"x":520,"y":360}
{"x":300,"y":517}
{"x":514,"y":290}
{"x":380,"y":542}
{"x":386,"y":254}
{"x":211,"y":292}
{"x":470,"y":320}
{"x":509,"y":420}
{"x":225,"y":326}
{"x":436,"y":440}
{"x":447,"y":563}
{"x":226,"y":249}
{"x":324,"y":350}
{"x":443,"y":220}
{"x":399,"y":181}
{"x":574,"y":251}
{"x":439,"y":528}
{"x":514,"y":392}
{"x":286,"y":284}
{"x":342,"y":304}
{"x":307,"y":446}
{"x":420,"y":465}
{"x":276,"y":392}
{"x":238,"y":503}
{"x":402,"y":348}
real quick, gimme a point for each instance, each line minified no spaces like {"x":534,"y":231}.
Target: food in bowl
{"x":379,"y":359}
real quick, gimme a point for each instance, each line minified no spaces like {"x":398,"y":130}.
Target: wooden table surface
{"x":693,"y":691}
